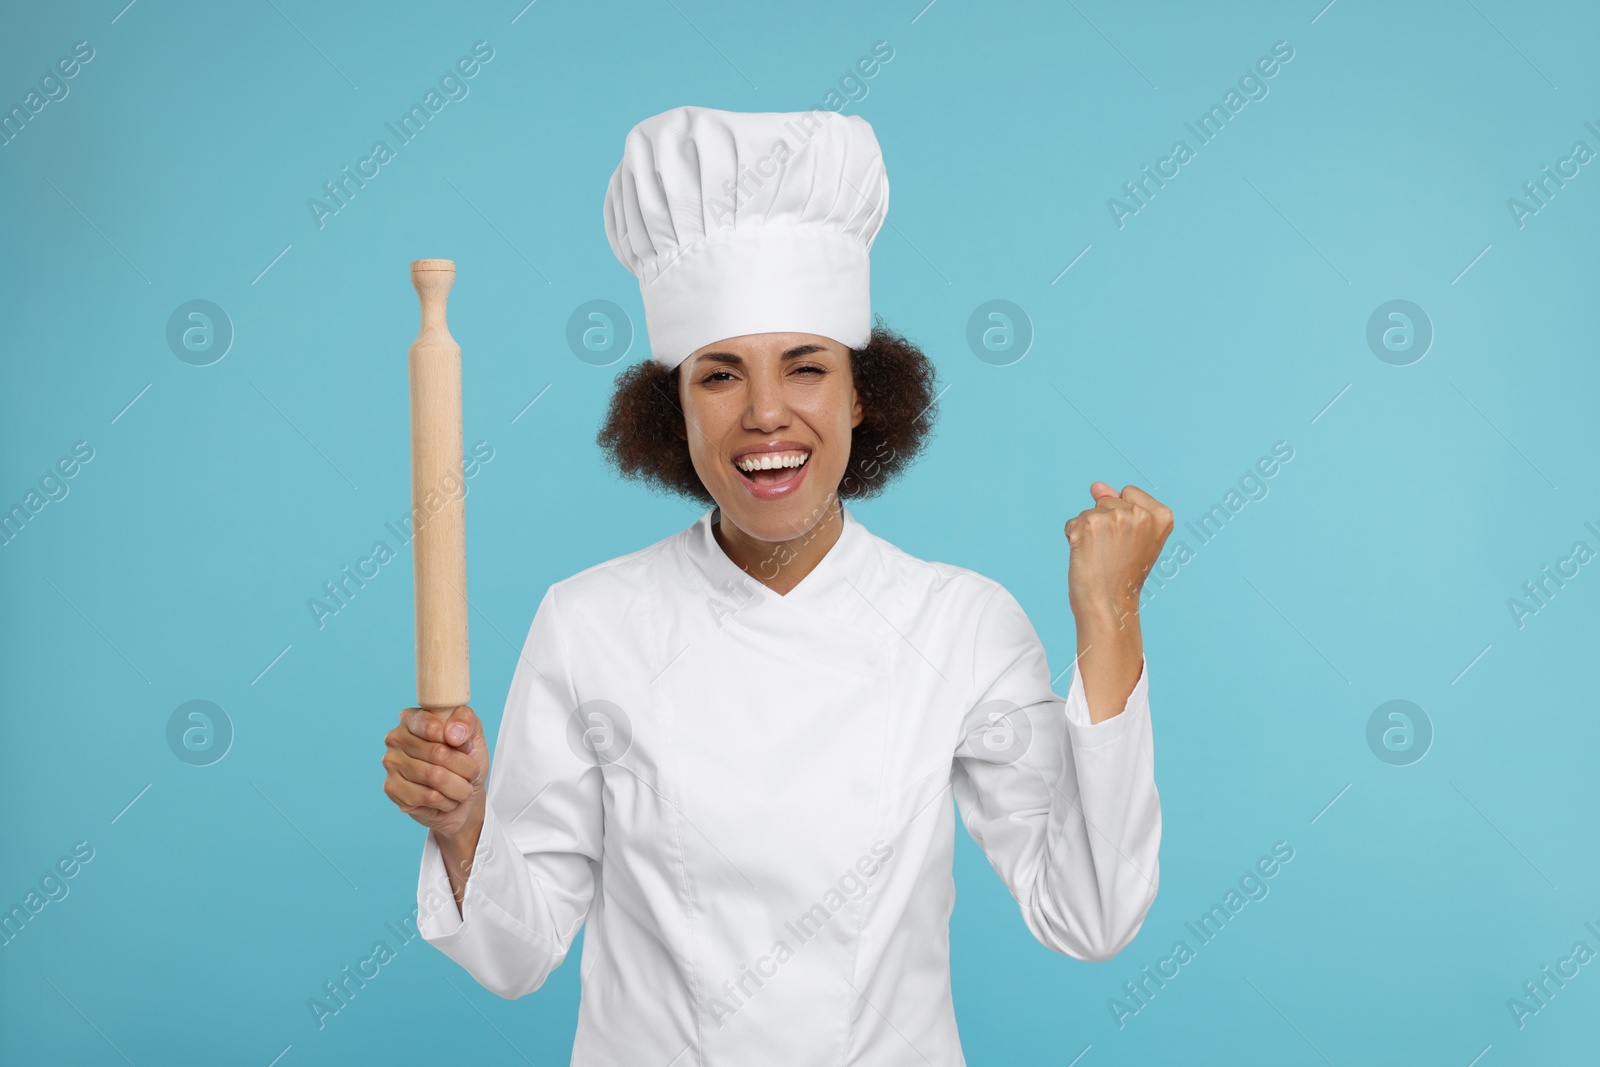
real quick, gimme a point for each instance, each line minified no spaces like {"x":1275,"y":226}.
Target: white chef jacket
{"x":758,"y":831}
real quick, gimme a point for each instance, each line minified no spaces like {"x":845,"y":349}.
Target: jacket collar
{"x":837,"y":575}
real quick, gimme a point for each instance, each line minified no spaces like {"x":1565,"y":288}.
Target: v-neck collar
{"x":841,"y":566}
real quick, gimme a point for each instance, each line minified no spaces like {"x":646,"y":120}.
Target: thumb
{"x":460,"y":727}
{"x":1100,"y":490}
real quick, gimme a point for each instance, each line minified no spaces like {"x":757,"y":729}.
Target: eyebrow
{"x":731,"y":358}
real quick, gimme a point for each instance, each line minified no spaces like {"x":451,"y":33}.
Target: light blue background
{"x":1223,"y":317}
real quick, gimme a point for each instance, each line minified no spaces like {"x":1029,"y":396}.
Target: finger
{"x":422,"y":810}
{"x":454,"y":726}
{"x":424,"y":814}
{"x":441,"y":780}
{"x":1100,"y":490}
{"x":1134,"y":495}
{"x":430,"y":776}
{"x":1145,"y":500}
{"x":424,"y":772}
{"x":1112,"y":503}
{"x":439,"y":754}
{"x":409,"y":794}
{"x":423,"y":723}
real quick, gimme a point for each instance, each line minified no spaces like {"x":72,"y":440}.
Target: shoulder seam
{"x":566,"y":653}
{"x":977,"y":633}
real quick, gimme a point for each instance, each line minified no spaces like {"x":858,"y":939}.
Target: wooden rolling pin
{"x":439,"y":535}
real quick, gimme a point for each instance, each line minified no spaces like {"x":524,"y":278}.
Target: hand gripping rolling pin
{"x":438,"y":511}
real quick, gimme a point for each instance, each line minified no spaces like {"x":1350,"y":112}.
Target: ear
{"x":857,"y":411}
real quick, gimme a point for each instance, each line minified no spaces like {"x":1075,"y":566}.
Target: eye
{"x":812,"y":368}
{"x":718,"y":375}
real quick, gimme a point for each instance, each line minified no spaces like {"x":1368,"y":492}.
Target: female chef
{"x":731,"y":755}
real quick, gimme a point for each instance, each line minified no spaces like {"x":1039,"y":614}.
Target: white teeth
{"x":773,"y":460}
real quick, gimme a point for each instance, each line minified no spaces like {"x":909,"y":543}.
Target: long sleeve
{"x":534,"y":872}
{"x":1066,"y":811}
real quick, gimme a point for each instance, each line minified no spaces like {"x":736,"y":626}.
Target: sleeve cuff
{"x":437,"y":914}
{"x":1087,"y":734}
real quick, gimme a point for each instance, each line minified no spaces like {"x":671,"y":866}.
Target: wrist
{"x":1107,"y":614}
{"x":464,"y":839}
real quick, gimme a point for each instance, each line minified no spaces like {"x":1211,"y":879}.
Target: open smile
{"x":772,"y":473}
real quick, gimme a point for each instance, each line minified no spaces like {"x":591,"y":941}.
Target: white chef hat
{"x":748,"y":222}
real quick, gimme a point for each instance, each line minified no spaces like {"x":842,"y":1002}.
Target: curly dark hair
{"x":643,"y":431}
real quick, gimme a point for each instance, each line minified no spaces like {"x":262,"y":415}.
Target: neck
{"x":781,"y":565}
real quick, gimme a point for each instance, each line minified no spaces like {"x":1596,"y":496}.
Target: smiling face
{"x":768,"y":419}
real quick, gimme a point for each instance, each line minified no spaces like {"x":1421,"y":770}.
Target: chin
{"x":782,"y":519}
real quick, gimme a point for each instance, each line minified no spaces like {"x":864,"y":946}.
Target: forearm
{"x":457,"y":851}
{"x":1110,"y":657}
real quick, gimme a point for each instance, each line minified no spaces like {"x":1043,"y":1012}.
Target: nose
{"x":766,"y":405}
